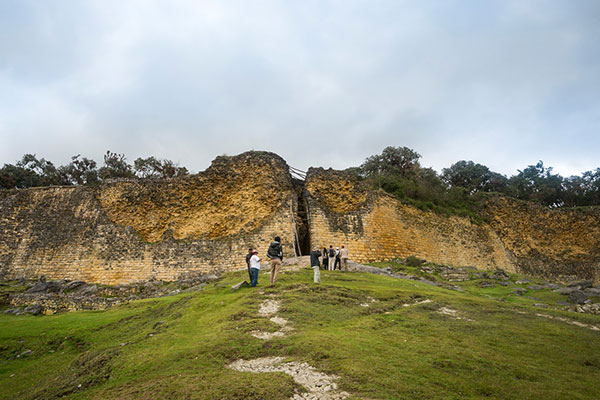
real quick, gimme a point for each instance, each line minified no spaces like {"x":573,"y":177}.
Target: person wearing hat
{"x":254,"y":268}
{"x":338,"y":263}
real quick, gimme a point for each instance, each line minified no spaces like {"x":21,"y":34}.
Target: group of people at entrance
{"x":335,"y":258}
{"x":332,"y":258}
{"x":275,"y":255}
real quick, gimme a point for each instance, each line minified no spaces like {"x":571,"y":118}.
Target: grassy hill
{"x":383,"y":338}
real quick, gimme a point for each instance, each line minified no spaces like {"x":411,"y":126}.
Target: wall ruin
{"x":128,"y":231}
{"x":521,"y":237}
{"x":136,"y":230}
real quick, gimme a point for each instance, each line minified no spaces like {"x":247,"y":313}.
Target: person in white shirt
{"x":254,"y":268}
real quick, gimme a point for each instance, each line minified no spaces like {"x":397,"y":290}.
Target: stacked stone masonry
{"x":521,"y":237}
{"x":128,"y":231}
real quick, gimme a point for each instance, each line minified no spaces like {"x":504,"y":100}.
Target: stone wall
{"x":521,"y":237}
{"x":563,"y":244}
{"x":128,"y":231}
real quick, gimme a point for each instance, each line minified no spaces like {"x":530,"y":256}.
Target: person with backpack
{"x":338,"y":263}
{"x":275,"y":254}
{"x":248,"y":256}
{"x":314,"y":263}
{"x":254,"y":263}
{"x":331,"y":257}
{"x":325,"y":259}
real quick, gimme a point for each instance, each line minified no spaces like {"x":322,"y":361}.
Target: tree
{"x":46,"y":171}
{"x":115,"y":166}
{"x":393,"y":160}
{"x":473,"y":177}
{"x":80,"y":171}
{"x":154,"y":168}
{"x":537,"y":183}
{"x":13,"y":176}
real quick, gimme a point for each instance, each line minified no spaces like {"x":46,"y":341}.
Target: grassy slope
{"x":381,"y":351}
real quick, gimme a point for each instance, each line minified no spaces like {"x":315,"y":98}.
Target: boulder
{"x":565,"y":290}
{"x":455,"y":275}
{"x":577,"y":297}
{"x":34,"y":309}
{"x":14,"y":311}
{"x":552,"y":286}
{"x":428,"y":269}
{"x":89,"y":290}
{"x":589,"y":308}
{"x":499,"y":275}
{"x":42,"y":286}
{"x":523,"y":281}
{"x":592,"y":292}
{"x":239,"y":286}
{"x":535,"y":287}
{"x":582,"y":285}
{"x":74,"y":285}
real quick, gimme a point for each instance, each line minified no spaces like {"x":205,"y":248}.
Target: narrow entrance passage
{"x":303,"y":233}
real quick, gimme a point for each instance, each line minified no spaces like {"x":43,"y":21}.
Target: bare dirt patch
{"x":319,"y":386}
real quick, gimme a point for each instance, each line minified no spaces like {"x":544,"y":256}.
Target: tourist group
{"x":332,"y":258}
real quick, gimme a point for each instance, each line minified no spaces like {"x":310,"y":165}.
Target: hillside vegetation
{"x":383,"y":338}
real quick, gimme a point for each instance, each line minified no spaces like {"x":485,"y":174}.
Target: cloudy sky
{"x":322,"y":83}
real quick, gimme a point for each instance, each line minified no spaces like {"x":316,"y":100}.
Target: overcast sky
{"x":321,"y":83}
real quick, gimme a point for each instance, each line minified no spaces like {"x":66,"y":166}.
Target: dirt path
{"x":318,"y":385}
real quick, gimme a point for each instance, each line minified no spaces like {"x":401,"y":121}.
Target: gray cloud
{"x":503,"y":83}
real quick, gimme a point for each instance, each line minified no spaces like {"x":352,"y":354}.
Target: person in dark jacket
{"x":250,"y":252}
{"x":314,"y":263}
{"x":338,"y":263}
{"x":275,"y":254}
{"x":325,"y":258}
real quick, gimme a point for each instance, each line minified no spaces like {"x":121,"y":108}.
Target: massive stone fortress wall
{"x":521,"y":237}
{"x":135,"y":230}
{"x":128,"y":231}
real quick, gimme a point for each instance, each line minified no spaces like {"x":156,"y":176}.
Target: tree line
{"x":460,"y":188}
{"x":32,"y":172}
{"x":465,"y":184}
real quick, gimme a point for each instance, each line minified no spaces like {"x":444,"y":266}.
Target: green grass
{"x":177,"y":347}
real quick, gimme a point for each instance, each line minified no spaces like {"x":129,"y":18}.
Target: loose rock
{"x":577,"y":297}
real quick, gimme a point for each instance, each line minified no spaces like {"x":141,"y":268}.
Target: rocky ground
{"x":579,"y":296}
{"x":49,"y":297}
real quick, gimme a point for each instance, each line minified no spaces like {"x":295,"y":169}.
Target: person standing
{"x":254,"y":268}
{"x":331,"y":257}
{"x":250,"y":252}
{"x":275,"y":254}
{"x":325,"y":258}
{"x":337,"y":264}
{"x":344,"y":258}
{"x":314,"y":263}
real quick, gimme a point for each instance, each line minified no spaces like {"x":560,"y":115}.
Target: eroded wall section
{"x":521,"y":237}
{"x":128,"y":231}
